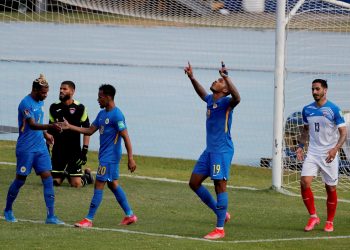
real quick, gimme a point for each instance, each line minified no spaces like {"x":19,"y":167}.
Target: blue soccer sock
{"x":122,"y":200}
{"x":95,"y":203}
{"x":221,"y":209}
{"x":206,"y":197}
{"x":49,"y":196}
{"x":12,"y":193}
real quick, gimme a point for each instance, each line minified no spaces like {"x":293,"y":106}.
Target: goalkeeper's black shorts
{"x":64,"y":167}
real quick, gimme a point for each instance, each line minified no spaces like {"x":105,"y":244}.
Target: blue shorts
{"x":215,"y":165}
{"x":108,"y":171}
{"x":40,"y":161}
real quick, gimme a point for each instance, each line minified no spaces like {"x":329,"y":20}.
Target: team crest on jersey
{"x":23,"y":169}
{"x":106,"y":121}
{"x":215,"y":105}
{"x":72,"y":110}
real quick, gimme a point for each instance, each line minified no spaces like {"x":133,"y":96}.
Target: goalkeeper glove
{"x":83,"y":159}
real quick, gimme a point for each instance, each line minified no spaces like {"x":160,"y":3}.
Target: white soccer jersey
{"x":323,"y":126}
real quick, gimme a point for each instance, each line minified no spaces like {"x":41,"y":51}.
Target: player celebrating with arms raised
{"x":322,"y":119}
{"x":216,"y":159}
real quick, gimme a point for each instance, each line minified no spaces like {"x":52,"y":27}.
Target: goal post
{"x":277,"y":148}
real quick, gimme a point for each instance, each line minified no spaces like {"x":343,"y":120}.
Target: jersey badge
{"x":121,"y":125}
{"x":72,"y":110}
{"x":23,"y":169}
{"x":106,"y":121}
{"x":215,"y":105}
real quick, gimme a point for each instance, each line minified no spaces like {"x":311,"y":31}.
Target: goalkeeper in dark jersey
{"x":67,"y":155}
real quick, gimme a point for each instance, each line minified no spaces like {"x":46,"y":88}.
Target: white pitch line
{"x":178,"y":181}
{"x":174,"y":236}
{"x":158,"y":179}
{"x":285,"y":192}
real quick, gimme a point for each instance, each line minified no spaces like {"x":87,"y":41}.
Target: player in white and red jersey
{"x":322,"y":122}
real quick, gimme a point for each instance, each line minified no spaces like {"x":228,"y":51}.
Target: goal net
{"x":142,"y":46}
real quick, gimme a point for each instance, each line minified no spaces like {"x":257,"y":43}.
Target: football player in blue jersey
{"x":31,"y":150}
{"x":325,"y":129}
{"x":216,"y":159}
{"x":111,"y":124}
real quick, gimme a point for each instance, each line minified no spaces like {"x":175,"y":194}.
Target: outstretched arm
{"x":128,"y":146}
{"x":236,"y":98}
{"x":196,"y":85}
{"x":37,"y":126}
{"x":86,"y":131}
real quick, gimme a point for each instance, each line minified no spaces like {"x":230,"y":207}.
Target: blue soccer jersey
{"x":218,"y":124}
{"x":30,"y":140}
{"x":110,"y":124}
{"x":323,"y":125}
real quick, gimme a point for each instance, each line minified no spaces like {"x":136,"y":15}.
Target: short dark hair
{"x":323,"y":82}
{"x":69,"y":83}
{"x":108,"y":90}
{"x":40,"y":83}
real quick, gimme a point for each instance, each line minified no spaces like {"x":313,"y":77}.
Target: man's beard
{"x":64,"y":98}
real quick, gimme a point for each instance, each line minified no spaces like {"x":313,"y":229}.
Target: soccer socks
{"x":49,"y":195}
{"x":206,"y":197}
{"x":95,"y":203}
{"x":308,"y":198}
{"x":122,"y":200}
{"x":332,"y":201}
{"x":12,"y":193}
{"x":221,"y":209}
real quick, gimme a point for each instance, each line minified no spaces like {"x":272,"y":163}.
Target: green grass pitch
{"x":170,"y":214}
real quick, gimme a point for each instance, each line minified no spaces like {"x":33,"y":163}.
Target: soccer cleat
{"x":311,"y":223}
{"x":328,"y":227}
{"x":216,"y":234}
{"x":129,"y":220}
{"x":54,"y":220}
{"x":89,"y":177}
{"x":228,"y":217}
{"x":84,"y":223}
{"x":9,"y":217}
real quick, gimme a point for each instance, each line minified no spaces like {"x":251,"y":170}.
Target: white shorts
{"x":328,"y":171}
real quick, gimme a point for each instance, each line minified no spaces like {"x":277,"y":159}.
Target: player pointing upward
{"x":215,"y":161}
{"x":322,"y":119}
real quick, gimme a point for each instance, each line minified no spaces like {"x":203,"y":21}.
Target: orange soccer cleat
{"x":216,"y":234}
{"x":328,"y":227}
{"x":84,"y":223}
{"x":128,"y":220}
{"x":311,"y":223}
